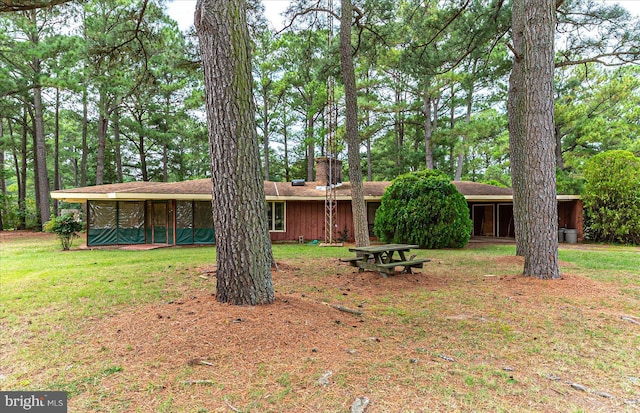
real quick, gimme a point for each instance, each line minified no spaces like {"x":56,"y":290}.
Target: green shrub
{"x":66,"y":227}
{"x":612,"y":197}
{"x":568,"y":182}
{"x":426,"y":209}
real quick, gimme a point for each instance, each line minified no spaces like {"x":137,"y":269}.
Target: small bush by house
{"x":66,"y":227}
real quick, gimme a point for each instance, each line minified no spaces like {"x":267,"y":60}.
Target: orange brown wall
{"x":306,"y":219}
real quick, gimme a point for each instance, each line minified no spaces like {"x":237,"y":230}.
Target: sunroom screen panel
{"x":184,"y":222}
{"x":203,"y":223}
{"x":103,"y":228}
{"x":131,"y":222}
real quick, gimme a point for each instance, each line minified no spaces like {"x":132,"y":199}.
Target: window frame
{"x":272,"y":219}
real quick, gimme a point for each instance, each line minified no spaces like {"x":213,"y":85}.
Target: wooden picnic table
{"x":381,"y":258}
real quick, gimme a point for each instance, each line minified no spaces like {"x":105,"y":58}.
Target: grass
{"x":456,"y":341}
{"x":37,"y":276}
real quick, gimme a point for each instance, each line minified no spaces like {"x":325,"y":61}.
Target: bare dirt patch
{"x":7,"y":236}
{"x":194,"y":354}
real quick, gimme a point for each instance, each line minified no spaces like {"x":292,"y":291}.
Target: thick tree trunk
{"x":517,"y":136}
{"x":532,"y":138}
{"x":243,"y":246}
{"x":358,"y":205}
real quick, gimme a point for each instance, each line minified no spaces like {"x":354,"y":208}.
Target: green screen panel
{"x":102,"y":223}
{"x":203,"y":236}
{"x":102,"y":236}
{"x":131,"y":223}
{"x":203,"y":223}
{"x":184,"y":222}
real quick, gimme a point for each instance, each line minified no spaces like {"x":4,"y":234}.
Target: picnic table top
{"x":384,"y":248}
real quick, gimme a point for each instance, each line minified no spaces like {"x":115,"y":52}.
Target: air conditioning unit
{"x":298,"y":182}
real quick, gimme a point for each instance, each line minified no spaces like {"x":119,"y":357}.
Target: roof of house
{"x":200,"y":189}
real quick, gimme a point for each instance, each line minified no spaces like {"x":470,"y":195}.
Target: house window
{"x":276,"y":216}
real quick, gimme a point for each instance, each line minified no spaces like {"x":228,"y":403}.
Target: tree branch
{"x":446,"y":25}
{"x":599,"y":59}
{"x":305,"y":12}
{"x":8,"y":6}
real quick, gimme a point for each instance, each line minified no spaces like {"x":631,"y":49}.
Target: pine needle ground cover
{"x":140,"y":331}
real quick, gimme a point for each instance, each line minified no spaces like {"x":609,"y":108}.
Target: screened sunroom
{"x":170,"y":222}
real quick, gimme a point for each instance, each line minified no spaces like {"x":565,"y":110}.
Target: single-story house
{"x":179,"y":213}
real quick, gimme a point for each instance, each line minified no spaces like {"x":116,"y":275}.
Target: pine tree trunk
{"x":165,"y":162}
{"x":56,"y":152}
{"x":516,"y":109}
{"x":103,"y":124}
{"x":41,"y":156}
{"x":428,"y":154}
{"x":22,"y":190}
{"x":367,"y":126}
{"x":559,"y":159}
{"x":36,"y":180}
{"x":286,"y":146}
{"x":40,"y":148}
{"x":143,"y":156}
{"x":85,"y":149}
{"x":243,"y":247}
{"x":358,"y":205}
{"x":311,"y":148}
{"x":3,"y":184}
{"x":532,"y":138}
{"x":398,"y":127}
{"x":76,"y":168}
{"x":467,"y":119}
{"x":265,"y":131}
{"x":116,"y":144}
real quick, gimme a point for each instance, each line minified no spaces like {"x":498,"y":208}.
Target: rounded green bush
{"x":426,"y":209}
{"x":66,"y":228}
{"x":611,"y":197}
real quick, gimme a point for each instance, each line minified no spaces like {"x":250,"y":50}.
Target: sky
{"x":182,"y":10}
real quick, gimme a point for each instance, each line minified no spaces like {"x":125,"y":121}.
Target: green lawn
{"x":508,"y":337}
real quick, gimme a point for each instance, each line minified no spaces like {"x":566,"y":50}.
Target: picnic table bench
{"x":381,"y":258}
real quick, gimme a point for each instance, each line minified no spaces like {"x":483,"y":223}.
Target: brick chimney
{"x":322,"y":170}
